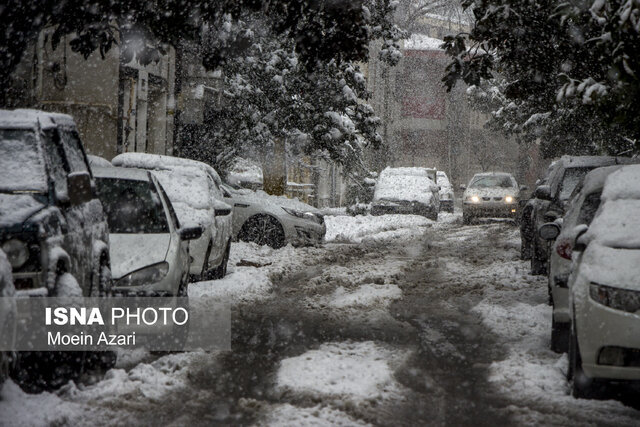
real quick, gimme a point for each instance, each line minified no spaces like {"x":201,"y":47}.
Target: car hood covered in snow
{"x":260,"y":198}
{"x":17,"y":208}
{"x":491,"y":192}
{"x":409,"y":188}
{"x":131,"y":252}
{"x":610,"y":266}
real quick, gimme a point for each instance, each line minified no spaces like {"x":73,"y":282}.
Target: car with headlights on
{"x":149,"y":246}
{"x":445,"y":191}
{"x":583,"y":205}
{"x":194,"y":190}
{"x":406,"y":190}
{"x":273,"y":220}
{"x":604,"y":289}
{"x":490,"y":194}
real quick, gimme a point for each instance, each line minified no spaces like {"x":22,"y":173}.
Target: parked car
{"x":446,"y":192}
{"x":490,"y":194}
{"x":194,"y":190}
{"x":604,"y":290}
{"x":550,"y":201}
{"x":149,"y":246}
{"x":407,"y":190}
{"x":8,"y":317}
{"x":562,"y":233}
{"x":273,"y":220}
{"x":98,"y":162}
{"x":52,"y":227}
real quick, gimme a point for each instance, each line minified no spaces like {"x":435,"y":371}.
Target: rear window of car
{"x":21,"y":164}
{"x":572,"y":177}
{"x":589,"y":208}
{"x":132,"y":207}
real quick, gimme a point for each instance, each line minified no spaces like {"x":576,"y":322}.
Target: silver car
{"x":490,"y":194}
{"x":273,"y":220}
{"x":149,"y":247}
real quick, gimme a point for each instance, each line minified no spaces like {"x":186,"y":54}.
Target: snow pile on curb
{"x":359,"y":371}
{"x":356,"y":229}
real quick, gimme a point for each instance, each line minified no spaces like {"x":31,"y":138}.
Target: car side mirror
{"x":79,"y":188}
{"x":463,"y":187}
{"x":543,"y":192}
{"x":580,"y":244}
{"x":222,"y":212}
{"x":190,"y":232}
{"x":549,"y":231}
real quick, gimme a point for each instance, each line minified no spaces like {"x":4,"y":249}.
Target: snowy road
{"x":395,"y":321}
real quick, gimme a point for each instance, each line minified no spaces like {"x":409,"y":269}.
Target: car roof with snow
{"x":595,"y":179}
{"x":25,"y":118}
{"x":408,"y":171}
{"x":623,"y":184}
{"x":590,"y":161}
{"x":492,"y":174}
{"x":121,"y":173}
{"x":162,"y":162}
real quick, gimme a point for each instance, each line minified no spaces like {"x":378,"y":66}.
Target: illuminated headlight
{"x":616,"y":298}
{"x":474,"y":199}
{"x":17,"y":252}
{"x":305,"y":215}
{"x":508,"y":199}
{"x":145,"y":276}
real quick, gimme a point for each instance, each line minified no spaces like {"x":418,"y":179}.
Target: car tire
{"x":221,"y":270}
{"x":560,"y":336}
{"x":263,"y":230}
{"x":466,"y":218}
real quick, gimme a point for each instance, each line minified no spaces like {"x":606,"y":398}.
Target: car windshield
{"x":132,"y":207}
{"x":21,"y":165}
{"x":570,"y":180}
{"x":491,"y":181}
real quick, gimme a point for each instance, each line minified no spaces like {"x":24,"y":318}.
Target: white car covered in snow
{"x":194,"y":190}
{"x":604,"y":289}
{"x":149,"y":247}
{"x":273,"y":220}
{"x":406,"y":190}
{"x":490,"y":194}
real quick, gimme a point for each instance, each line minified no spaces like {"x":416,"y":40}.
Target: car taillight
{"x":564,"y":249}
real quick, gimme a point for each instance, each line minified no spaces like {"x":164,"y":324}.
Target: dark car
{"x":53,"y":228}
{"x":550,"y":200}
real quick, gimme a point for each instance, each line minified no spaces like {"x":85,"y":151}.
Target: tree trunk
{"x":274,"y":170}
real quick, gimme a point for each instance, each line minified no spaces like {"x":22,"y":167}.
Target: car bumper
{"x":609,"y":342}
{"x":446,"y":205}
{"x":492,"y":210}
{"x":423,"y":210}
{"x":300,"y":232}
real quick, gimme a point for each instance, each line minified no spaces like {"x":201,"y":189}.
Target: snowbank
{"x":316,"y":416}
{"x":355,"y":229}
{"x":422,"y":42}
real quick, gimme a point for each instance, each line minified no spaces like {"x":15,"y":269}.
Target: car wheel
{"x":221,"y":270}
{"x":559,"y":336}
{"x":263,"y":230}
{"x":466,"y":218}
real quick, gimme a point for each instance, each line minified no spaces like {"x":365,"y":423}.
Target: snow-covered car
{"x":53,"y":229}
{"x":406,"y":190}
{"x":446,"y":192}
{"x":490,"y":194}
{"x":149,"y":247}
{"x":8,"y":316}
{"x":98,"y":162}
{"x":550,"y":201}
{"x":195,"y":193}
{"x":562,"y":233}
{"x":604,"y":289}
{"x":273,"y":220}
{"x":51,"y":223}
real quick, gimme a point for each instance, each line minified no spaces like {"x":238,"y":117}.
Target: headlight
{"x":146,"y":275}
{"x":305,"y":215}
{"x":508,"y":199}
{"x":17,"y":252}
{"x":616,"y":298}
{"x":474,"y":199}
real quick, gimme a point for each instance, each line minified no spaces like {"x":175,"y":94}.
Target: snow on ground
{"x":285,"y":415}
{"x":355,"y":371}
{"x":364,"y":296}
{"x":356,"y":229}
